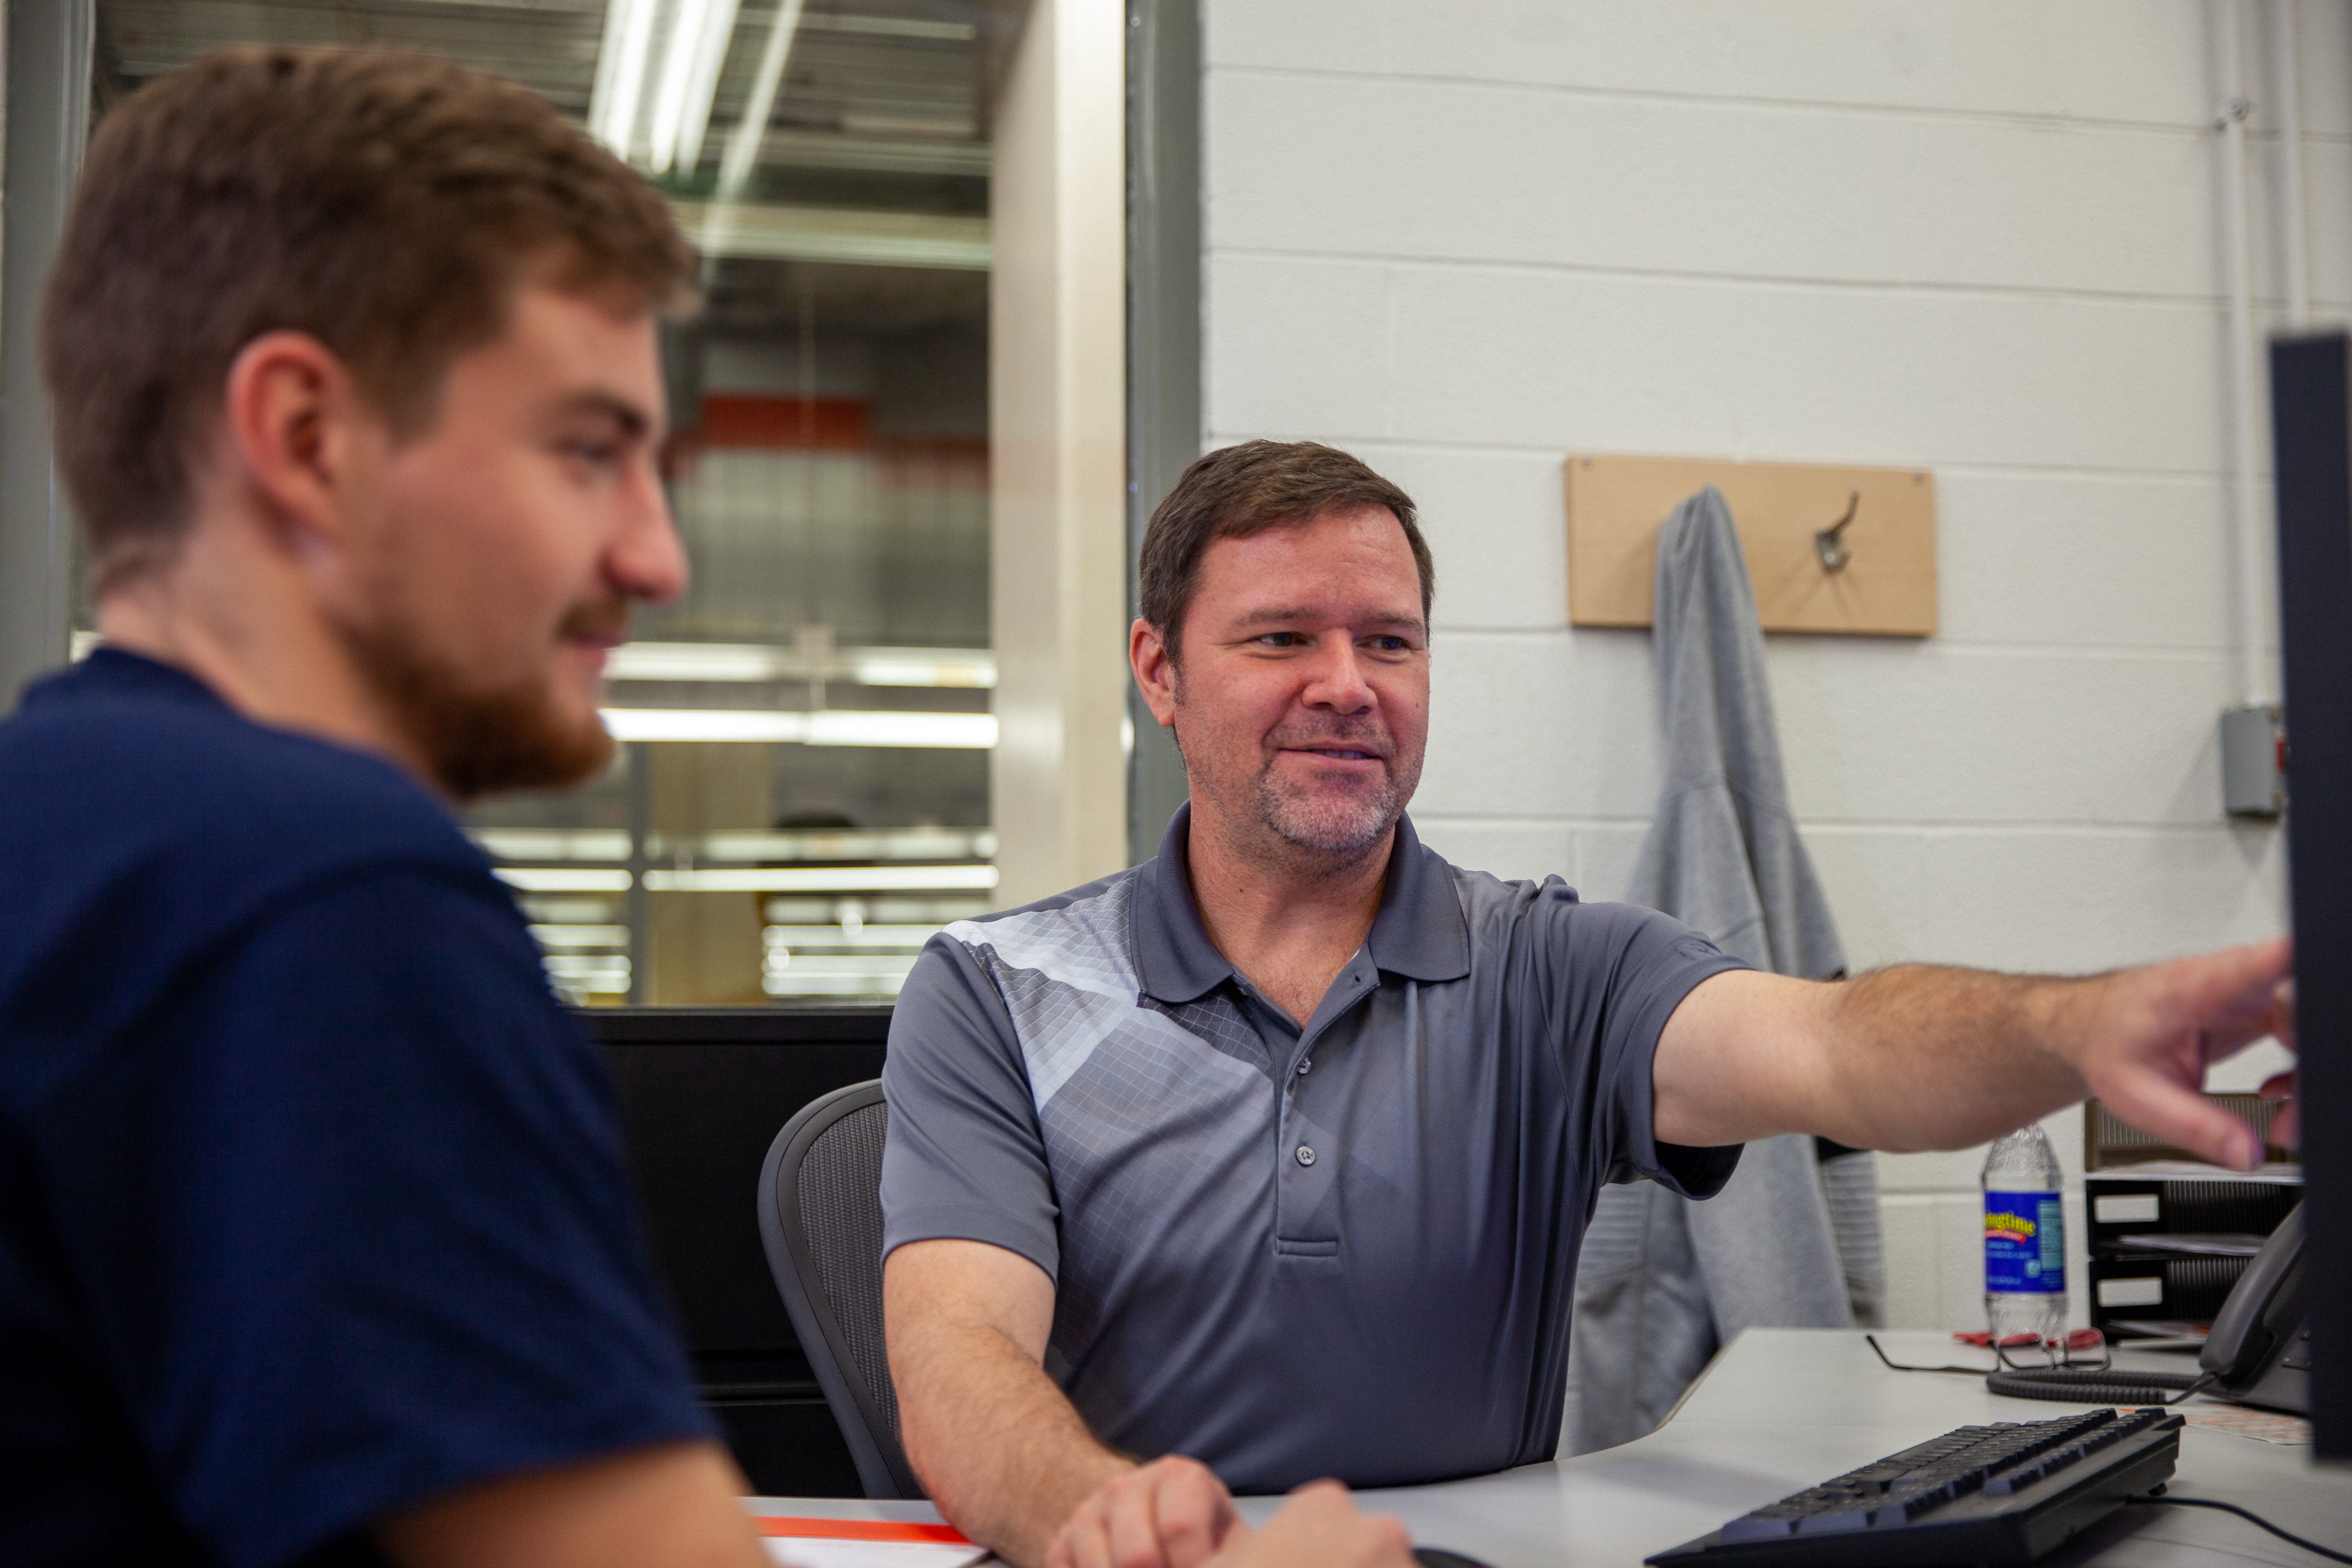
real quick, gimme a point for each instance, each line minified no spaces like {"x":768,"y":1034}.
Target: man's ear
{"x":291,"y":432}
{"x":1155,"y":670}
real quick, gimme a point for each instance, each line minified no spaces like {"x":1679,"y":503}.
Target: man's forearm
{"x":998,"y":1446}
{"x":1921,"y":1057}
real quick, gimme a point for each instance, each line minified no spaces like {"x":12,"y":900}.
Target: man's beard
{"x":1332,"y":821}
{"x":1322,"y":822}
{"x":475,"y":739}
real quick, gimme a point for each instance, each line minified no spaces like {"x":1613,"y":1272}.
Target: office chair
{"x":821,"y":1222}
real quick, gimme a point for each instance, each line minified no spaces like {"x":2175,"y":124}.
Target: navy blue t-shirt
{"x":313,"y":1204}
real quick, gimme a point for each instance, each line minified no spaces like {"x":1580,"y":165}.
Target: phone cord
{"x":2098,"y":1385}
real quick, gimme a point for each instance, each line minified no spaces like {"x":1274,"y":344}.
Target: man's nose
{"x":647,"y":559}
{"x":1338,"y":679}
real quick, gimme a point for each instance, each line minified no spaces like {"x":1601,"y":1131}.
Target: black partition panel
{"x":703,"y":1090}
{"x":2311,"y":398}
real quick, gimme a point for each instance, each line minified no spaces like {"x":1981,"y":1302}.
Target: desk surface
{"x":1783,"y":1408}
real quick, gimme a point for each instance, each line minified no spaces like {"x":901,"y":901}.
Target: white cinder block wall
{"x":1973,"y":235}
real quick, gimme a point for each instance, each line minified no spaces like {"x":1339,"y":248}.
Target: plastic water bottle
{"x":2024,"y":1238}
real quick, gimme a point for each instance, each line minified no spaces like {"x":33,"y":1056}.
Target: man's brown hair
{"x":386,"y":204}
{"x":1236,"y":492}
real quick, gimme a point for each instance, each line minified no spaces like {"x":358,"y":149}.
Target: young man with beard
{"x":315,"y":1241}
{"x":1270,"y":1158}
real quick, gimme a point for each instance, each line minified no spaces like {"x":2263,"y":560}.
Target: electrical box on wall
{"x":2253,"y":763}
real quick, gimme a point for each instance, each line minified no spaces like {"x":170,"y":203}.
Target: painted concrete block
{"x":1294,"y":346}
{"x":1310,"y":164}
{"x":2111,"y":60}
{"x":1510,"y":356}
{"x":1496,"y":527}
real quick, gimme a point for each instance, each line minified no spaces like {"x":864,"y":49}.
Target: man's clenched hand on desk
{"x":1006,"y":1458}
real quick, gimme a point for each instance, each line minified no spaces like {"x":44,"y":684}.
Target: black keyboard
{"x":2004,"y":1493}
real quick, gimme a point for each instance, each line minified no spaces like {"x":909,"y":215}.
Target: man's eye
{"x":596,"y":454}
{"x":1280,"y":639}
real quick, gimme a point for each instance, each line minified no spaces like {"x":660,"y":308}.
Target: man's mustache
{"x":1355,"y":736}
{"x":604,"y":618}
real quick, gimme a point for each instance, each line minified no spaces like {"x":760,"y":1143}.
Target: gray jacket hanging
{"x":1793,"y":1241}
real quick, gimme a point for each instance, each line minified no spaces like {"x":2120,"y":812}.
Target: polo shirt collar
{"x":1420,"y":932}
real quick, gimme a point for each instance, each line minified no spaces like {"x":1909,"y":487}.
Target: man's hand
{"x":2142,"y":1039}
{"x":1318,"y":1528}
{"x":1170,"y":1513}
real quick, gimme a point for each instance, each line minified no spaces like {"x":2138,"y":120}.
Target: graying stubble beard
{"x":1309,"y":825}
{"x":1327,"y":824}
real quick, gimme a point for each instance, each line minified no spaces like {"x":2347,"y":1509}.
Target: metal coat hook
{"x":1829,"y":542}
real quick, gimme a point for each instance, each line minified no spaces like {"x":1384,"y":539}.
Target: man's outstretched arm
{"x":1923,"y":1057}
{"x":1000,"y":1449}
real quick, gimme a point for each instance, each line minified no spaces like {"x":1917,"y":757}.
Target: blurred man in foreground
{"x":315,"y":1242}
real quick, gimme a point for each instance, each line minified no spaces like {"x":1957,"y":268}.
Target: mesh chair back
{"x":821,"y":1219}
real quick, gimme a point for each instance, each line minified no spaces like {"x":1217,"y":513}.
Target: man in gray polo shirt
{"x":1269,"y":1159}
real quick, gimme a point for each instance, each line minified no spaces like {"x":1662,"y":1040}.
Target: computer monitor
{"x":703,"y":1091}
{"x":2311,"y":401}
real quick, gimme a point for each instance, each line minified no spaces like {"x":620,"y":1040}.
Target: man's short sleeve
{"x":965,"y":1159}
{"x":1621,"y":972}
{"x":352,"y":1223}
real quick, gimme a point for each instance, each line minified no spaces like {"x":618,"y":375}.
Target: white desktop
{"x":1781,"y":1409}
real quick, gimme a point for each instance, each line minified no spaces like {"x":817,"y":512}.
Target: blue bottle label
{"x":2025,"y":1244}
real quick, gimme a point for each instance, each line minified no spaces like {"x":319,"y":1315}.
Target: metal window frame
{"x":1163,"y":337}
{"x":48,"y":71}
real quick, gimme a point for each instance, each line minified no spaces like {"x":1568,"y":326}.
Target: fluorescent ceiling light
{"x":802,"y":964}
{"x":699,"y":33}
{"x":890,"y":26}
{"x":923,"y":666}
{"x":711,"y":38}
{"x":577,"y":965}
{"x":959,"y":666}
{"x":827,"y":844}
{"x":826,"y":727}
{"x":807,"y":938}
{"x":563,"y":879}
{"x":623,"y":59}
{"x":836,"y":233}
{"x":697,"y":661}
{"x":656,"y":71}
{"x":542,"y":844}
{"x":743,"y":147}
{"x":842,"y":727}
{"x":820,"y":879}
{"x":581,"y":936}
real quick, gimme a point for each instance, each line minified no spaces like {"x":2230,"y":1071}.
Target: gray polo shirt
{"x":1343,"y":1250}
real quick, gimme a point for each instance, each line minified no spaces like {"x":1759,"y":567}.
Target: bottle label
{"x":2025,"y":1244}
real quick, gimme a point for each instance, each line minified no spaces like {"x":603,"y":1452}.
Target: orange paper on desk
{"x":804,"y":1542}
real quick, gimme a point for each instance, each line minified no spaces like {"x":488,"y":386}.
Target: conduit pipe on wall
{"x":2287,"y":66}
{"x":2236,"y":224}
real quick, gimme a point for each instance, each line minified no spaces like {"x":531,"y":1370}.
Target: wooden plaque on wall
{"x":1887,"y":587}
